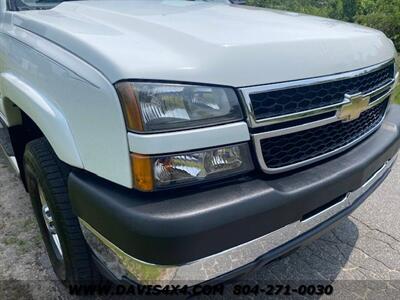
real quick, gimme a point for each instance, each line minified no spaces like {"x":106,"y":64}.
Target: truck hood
{"x":195,"y":41}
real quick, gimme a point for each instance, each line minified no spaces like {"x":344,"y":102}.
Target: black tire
{"x":43,"y":169}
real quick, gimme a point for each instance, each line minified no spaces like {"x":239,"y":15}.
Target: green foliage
{"x":383,"y":15}
{"x":397,"y":95}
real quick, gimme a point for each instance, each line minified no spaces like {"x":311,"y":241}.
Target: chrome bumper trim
{"x":123,"y":265}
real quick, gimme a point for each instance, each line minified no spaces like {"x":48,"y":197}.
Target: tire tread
{"x":55,"y":174}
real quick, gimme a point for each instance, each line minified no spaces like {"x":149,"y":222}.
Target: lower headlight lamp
{"x":166,"y":171}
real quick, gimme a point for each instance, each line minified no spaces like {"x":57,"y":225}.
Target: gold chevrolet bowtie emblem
{"x":351,"y":111}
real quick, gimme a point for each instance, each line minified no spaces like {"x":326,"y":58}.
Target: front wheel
{"x":46,"y":178}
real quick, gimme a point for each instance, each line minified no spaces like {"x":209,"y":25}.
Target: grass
{"x":397,"y":95}
{"x":21,"y":245}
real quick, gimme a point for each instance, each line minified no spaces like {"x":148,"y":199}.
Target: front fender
{"x":73,"y":103}
{"x":47,"y":117}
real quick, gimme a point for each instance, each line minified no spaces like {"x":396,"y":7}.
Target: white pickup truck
{"x":189,"y":141}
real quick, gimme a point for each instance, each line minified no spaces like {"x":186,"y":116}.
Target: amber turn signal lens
{"x":130,"y":106}
{"x":142,"y":172}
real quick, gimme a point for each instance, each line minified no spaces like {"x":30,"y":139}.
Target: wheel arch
{"x":26,"y":110}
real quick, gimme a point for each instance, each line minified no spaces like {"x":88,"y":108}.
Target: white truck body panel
{"x":189,"y":139}
{"x":71,"y":102}
{"x":65,"y":61}
{"x":202,"y":42}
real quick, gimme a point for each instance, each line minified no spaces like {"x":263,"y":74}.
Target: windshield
{"x":16,"y":5}
{"x":32,"y":4}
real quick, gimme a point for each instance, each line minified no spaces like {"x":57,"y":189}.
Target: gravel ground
{"x":360,"y":257}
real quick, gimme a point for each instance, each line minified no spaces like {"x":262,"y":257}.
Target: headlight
{"x":159,"y":172}
{"x":161,"y":107}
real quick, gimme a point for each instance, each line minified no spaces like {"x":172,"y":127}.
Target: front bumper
{"x":216,"y":232}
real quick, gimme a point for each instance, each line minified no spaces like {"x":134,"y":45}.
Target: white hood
{"x":195,"y":41}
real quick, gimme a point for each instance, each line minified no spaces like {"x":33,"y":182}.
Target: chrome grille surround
{"x":377,"y":96}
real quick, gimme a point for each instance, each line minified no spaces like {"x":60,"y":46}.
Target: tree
{"x":349,"y":9}
{"x":383,"y":15}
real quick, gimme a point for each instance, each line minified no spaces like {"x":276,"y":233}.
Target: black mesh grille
{"x":282,"y":102}
{"x":296,"y":147}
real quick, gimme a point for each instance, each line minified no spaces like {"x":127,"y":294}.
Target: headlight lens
{"x":161,"y":107}
{"x":158,"y":172}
